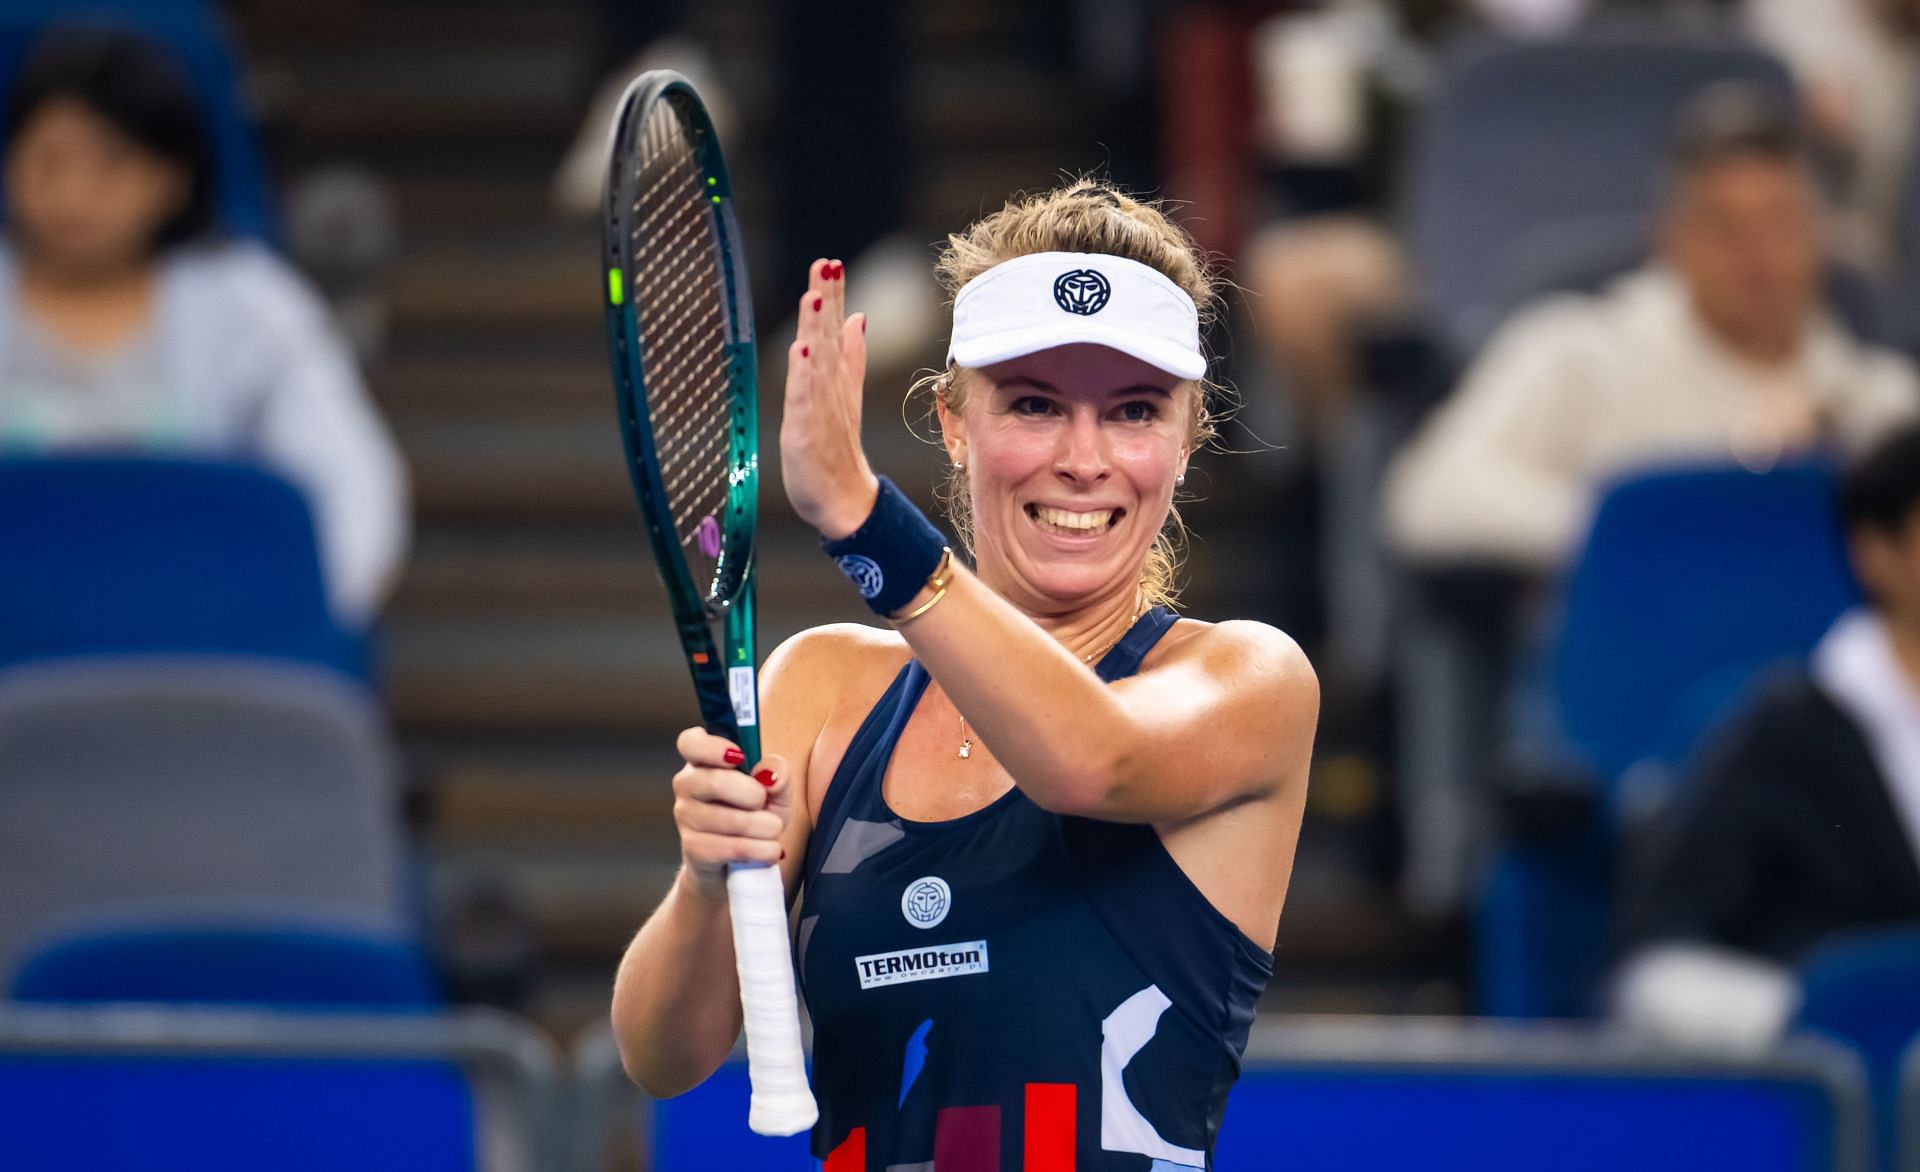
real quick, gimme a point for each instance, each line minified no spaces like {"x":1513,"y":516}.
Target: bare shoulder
{"x":817,"y":664}
{"x":814,"y":688}
{"x":1252,"y":655}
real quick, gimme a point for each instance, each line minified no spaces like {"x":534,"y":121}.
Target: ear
{"x":177,"y":184}
{"x":1875,"y":559}
{"x":952,"y":426}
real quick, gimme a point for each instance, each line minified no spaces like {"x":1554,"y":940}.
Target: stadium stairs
{"x":531,"y":679}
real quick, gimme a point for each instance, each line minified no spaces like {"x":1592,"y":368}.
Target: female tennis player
{"x":1042,"y":828}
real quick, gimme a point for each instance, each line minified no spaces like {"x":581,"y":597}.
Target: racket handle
{"x":782,"y":1101}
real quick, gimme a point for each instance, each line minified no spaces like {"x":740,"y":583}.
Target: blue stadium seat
{"x":1547,"y":153}
{"x":196,"y":33}
{"x":1693,"y":582}
{"x":112,"y":555}
{"x":1364,"y":1095}
{"x":1864,"y":989}
{"x":273,"y":961}
{"x":1690,"y":582}
{"x":169,"y":1090}
{"x":1372,"y":1096}
{"x":682,"y":1131}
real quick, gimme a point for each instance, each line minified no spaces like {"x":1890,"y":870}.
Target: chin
{"x":1072,"y":580}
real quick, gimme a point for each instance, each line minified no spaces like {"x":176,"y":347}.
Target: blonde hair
{"x":1084,"y":216}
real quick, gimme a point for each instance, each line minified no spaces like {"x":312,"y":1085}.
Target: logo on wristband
{"x":865,"y":573}
{"x":1081,"y":291}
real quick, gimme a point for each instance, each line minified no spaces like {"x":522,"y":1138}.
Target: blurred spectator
{"x":1858,"y":62}
{"x":125,"y":324}
{"x":1719,"y":349}
{"x":1805,"y":818}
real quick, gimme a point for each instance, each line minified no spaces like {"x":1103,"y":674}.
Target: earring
{"x":959,"y":465}
{"x":1180,"y":480}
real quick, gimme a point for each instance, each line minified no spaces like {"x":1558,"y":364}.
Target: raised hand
{"x":822,"y":466}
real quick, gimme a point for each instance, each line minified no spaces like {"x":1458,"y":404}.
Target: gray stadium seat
{"x":148,"y":783}
{"x":101,"y":1088}
{"x":1536,"y":148}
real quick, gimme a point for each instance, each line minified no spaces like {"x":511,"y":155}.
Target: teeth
{"x":1062,"y":519}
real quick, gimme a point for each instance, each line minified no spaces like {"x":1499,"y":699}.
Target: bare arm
{"x":676,"y":998}
{"x":1227,"y":714}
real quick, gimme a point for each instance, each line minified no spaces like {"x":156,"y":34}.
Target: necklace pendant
{"x":966,"y":748}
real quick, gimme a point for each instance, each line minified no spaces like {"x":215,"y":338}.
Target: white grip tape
{"x":782,"y":1100}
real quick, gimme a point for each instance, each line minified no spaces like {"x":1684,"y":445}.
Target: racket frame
{"x":723,"y":676}
{"x":782,"y":1102}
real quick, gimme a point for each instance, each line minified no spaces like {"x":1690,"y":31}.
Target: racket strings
{"x":683,"y":323}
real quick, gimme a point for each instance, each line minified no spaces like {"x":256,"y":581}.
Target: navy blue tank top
{"x":1012,"y":990}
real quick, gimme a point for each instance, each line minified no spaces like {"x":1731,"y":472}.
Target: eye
{"x":1138,"y":411}
{"x":1031,"y":405}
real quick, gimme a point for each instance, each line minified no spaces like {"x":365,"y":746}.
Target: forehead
{"x":66,"y":119}
{"x":1746,"y":175}
{"x":1082,"y":368}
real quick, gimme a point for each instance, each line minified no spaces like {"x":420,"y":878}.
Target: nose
{"x":1081,"y":456}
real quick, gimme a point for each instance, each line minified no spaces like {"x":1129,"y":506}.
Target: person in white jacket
{"x":1717,"y":350}
{"x":126,"y":323}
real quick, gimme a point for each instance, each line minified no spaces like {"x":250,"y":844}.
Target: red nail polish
{"x":863,"y":325}
{"x":783,"y":854}
{"x":765,"y":777}
{"x":818,"y":301}
{"x":839,"y":271}
{"x":803,"y":351}
{"x":735,"y":757}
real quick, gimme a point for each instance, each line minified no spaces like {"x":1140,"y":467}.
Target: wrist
{"x":701,"y":884}
{"x":844,"y":524}
{"x":891,"y":554}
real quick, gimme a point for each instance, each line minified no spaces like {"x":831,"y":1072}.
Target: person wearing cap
{"x":1042,"y":829}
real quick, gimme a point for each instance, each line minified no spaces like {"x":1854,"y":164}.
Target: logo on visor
{"x":1081,"y":291}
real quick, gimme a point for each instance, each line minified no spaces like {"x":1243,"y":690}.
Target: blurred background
{"x":1569,"y":355}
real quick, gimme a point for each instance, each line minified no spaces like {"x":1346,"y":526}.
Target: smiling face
{"x":1071,"y":455}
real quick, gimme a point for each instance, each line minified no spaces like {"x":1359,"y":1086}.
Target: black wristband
{"x":893,"y":553}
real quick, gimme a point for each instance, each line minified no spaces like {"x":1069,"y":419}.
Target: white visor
{"x":1048,"y":299}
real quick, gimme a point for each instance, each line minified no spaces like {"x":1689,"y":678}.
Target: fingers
{"x":821,"y":313}
{"x":697,"y":746}
{"x":718,"y":850}
{"x":707,"y":818}
{"x":853,"y":347}
{"x":726,"y":787}
{"x":832,"y":275}
{"x":724,"y":815}
{"x":771,"y":773}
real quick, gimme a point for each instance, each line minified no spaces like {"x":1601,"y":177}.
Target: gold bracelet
{"x":937,"y":582}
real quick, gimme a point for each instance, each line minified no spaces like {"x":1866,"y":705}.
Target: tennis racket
{"x":680,"y":336}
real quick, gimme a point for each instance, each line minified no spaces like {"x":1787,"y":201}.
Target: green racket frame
{"x":724,"y":677}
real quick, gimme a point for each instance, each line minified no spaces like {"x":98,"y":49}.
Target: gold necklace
{"x":966,"y":740}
